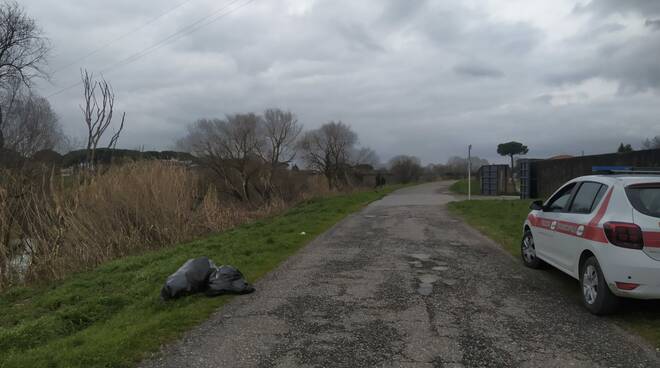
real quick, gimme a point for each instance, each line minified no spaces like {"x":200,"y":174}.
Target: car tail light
{"x":624,"y":235}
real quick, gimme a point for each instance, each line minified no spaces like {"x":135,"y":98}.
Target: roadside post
{"x":469,"y":172}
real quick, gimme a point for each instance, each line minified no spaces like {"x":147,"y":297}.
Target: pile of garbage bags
{"x":202,"y":275}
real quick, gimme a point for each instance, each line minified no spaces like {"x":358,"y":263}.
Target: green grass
{"x":461,"y":187}
{"x":502,"y":220}
{"x":113,"y":316}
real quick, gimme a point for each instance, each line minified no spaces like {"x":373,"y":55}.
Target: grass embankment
{"x":112,"y":316}
{"x":461,"y":187}
{"x":502,"y":221}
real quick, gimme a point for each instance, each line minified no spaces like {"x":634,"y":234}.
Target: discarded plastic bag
{"x":202,"y":275}
{"x":227,"y":280}
{"x":190,"y":278}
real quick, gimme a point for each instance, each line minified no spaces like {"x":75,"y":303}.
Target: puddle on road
{"x":426,"y":280}
{"x":375,"y":216}
{"x":421,"y":256}
{"x":426,"y":284}
{"x":425,"y":289}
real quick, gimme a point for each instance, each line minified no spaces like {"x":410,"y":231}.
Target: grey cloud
{"x":595,"y":34}
{"x":632,"y":63}
{"x":544,"y":99}
{"x":477,"y":71}
{"x":357,"y":36}
{"x":653,"y":24}
{"x":452,"y":28}
{"x":606,"y":7}
{"x":606,"y":29}
{"x":397,"y":11}
{"x":410,"y":77}
{"x":517,"y":38}
{"x":569,"y":76}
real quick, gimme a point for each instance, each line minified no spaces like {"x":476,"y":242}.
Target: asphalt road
{"x":403,"y":284}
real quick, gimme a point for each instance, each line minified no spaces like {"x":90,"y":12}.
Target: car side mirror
{"x":537,"y":206}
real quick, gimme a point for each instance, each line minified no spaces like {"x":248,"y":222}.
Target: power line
{"x":211,"y":18}
{"x":200,"y":23}
{"x":123,"y":36}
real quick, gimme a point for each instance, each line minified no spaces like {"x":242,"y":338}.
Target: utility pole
{"x":469,"y":172}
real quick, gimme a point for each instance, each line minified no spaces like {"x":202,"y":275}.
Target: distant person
{"x":380,"y":180}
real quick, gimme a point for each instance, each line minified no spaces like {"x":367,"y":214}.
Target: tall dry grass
{"x":51,"y":226}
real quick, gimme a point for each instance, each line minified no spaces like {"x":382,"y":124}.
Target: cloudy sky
{"x":419,"y":77}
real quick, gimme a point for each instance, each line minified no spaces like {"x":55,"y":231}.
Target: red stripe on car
{"x":590,"y":231}
{"x":533,"y":220}
{"x":595,"y":233}
{"x":602,"y":209}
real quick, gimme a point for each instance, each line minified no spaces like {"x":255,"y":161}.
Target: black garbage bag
{"x":190,"y":278}
{"x":227,"y":280}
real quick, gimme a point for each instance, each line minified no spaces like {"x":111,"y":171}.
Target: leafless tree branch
{"x":23,"y":52}
{"x":97,"y":109}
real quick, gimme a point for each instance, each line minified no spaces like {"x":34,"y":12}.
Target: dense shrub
{"x":53,"y":225}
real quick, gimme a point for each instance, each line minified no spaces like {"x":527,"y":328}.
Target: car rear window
{"x":587,"y":197}
{"x":645,"y":198}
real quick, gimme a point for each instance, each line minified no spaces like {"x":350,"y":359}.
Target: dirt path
{"x":403,"y":284}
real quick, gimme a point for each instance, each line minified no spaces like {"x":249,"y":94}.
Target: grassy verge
{"x":112,"y":316}
{"x":502,"y":220}
{"x":461,"y":187}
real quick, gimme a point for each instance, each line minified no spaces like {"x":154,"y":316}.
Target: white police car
{"x":603,"y":230}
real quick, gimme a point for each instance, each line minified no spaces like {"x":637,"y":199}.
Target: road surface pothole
{"x":455,"y":243}
{"x":426,"y":284}
{"x":440,"y":268}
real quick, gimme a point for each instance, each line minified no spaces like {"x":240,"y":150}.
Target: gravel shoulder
{"x":404,"y":284}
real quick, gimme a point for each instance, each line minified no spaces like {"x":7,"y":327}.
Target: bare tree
{"x":406,"y":169}
{"x":459,"y":165}
{"x":31,"y":125}
{"x":280,"y":130}
{"x":98,"y":108}
{"x":651,"y":143}
{"x":365,"y":156}
{"x":196,"y":134}
{"x":23,"y":51}
{"x":231,"y":148}
{"x":328,"y":149}
{"x":115,"y":136}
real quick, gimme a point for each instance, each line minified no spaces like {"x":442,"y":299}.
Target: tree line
{"x":247,"y":152}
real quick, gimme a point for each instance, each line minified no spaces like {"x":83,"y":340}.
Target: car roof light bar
{"x":613,"y":170}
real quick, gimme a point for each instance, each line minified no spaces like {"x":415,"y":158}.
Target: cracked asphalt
{"x":403,"y":284}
